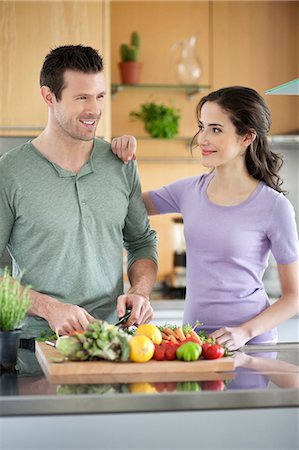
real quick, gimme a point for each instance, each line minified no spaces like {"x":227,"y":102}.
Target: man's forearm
{"x":142,"y":275}
{"x":41,"y":304}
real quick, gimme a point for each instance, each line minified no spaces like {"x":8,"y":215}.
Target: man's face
{"x":79,"y":110}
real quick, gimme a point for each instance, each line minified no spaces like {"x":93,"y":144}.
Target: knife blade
{"x":122,"y":320}
{"x":50,"y":343}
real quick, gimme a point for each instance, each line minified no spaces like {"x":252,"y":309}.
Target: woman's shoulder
{"x":277,"y":203}
{"x":271,"y":195}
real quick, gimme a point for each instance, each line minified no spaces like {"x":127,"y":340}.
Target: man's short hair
{"x":68,"y":57}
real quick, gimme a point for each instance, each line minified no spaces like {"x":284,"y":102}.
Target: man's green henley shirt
{"x":66,"y":230}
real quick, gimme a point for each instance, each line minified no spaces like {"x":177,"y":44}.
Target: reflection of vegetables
{"x":188,"y":386}
{"x":213,"y":385}
{"x":189,"y":351}
{"x":99,"y":341}
{"x":69,"y":389}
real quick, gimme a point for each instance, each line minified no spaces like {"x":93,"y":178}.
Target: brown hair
{"x":248,"y":111}
{"x":68,"y":57}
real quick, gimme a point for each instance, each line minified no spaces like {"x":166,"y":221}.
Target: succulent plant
{"x":130,"y":52}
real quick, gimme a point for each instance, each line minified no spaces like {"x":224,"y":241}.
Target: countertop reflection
{"x":264,"y":376}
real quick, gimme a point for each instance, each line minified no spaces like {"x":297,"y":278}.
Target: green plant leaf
{"x":159,"y":121}
{"x":14,"y":302}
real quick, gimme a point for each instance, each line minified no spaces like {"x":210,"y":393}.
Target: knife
{"x":123,"y":319}
{"x":50,"y":343}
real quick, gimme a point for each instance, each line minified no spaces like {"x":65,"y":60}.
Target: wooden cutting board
{"x":126,"y":372}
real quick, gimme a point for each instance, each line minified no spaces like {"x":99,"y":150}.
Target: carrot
{"x":165,"y":336}
{"x":169,"y":331}
{"x":173,"y":339}
{"x":179,"y":334}
{"x":187,"y":335}
{"x":195,"y":336}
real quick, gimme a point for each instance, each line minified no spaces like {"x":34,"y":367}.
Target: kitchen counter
{"x":263,"y":389}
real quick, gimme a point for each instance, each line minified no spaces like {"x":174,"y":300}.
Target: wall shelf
{"x":189,"y":89}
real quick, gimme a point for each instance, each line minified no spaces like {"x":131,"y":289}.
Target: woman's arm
{"x":149,"y":205}
{"x":286,"y":307}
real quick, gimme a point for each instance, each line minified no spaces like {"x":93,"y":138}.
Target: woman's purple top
{"x":228,"y":249}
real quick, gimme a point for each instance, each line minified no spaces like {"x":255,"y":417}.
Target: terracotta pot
{"x":9,"y":346}
{"x":130,"y":72}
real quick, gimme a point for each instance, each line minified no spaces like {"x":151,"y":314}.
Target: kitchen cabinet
{"x":29,"y":30}
{"x":255,"y":45}
{"x":243,"y":43}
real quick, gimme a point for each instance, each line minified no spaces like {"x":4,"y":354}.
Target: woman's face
{"x":217,"y":138}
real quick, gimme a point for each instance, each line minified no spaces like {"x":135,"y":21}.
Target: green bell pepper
{"x":190,"y":351}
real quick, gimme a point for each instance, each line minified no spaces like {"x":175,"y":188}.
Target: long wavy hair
{"x":248,"y":111}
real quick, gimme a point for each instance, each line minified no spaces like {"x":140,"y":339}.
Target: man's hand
{"x":141,"y":310}
{"x":124,"y":147}
{"x":65,"y":318}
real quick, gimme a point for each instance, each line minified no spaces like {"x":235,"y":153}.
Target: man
{"x":67,"y":206}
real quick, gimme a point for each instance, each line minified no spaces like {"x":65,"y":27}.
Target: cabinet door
{"x":255,"y":45}
{"x":29,"y":30}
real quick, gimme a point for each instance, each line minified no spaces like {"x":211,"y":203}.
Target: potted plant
{"x":160,"y":121}
{"x":14,"y":304}
{"x":129,"y":67}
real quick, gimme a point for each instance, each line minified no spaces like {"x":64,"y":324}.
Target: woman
{"x":233,"y":217}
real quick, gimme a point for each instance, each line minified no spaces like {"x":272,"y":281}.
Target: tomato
{"x":159,"y":353}
{"x":165,"y":351}
{"x":204,"y":347}
{"x":213,"y":385}
{"x":170,"y":352}
{"x":213,"y":351}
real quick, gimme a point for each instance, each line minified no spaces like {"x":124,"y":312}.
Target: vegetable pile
{"x":99,"y":341}
{"x":185,"y":344}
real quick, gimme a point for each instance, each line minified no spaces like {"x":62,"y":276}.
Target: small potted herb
{"x":159,"y":121}
{"x":14,"y":304}
{"x":130,"y":67}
